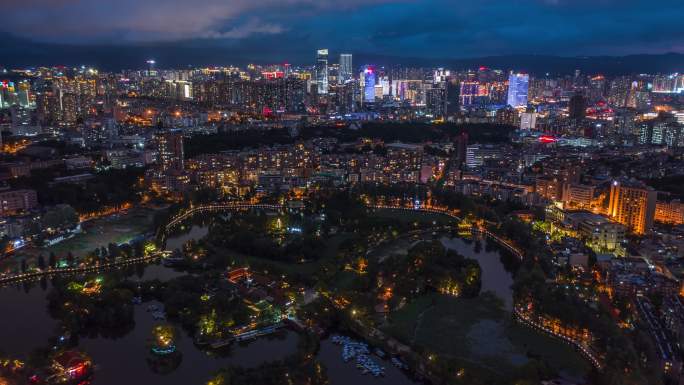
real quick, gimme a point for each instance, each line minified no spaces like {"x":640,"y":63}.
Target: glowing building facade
{"x":518,"y":85}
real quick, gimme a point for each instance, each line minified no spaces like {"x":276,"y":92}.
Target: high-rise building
{"x":468,"y":92}
{"x":528,"y":120}
{"x":170,"y":151}
{"x":452,"y":96}
{"x":22,"y":121}
{"x":478,"y":154}
{"x":368,"y":84}
{"x":670,"y":211}
{"x":461,"y":145}
{"x":577,"y":107}
{"x":632,"y":204}
{"x":151,"y":71}
{"x":13,"y":201}
{"x":345,"y":73}
{"x":322,"y":71}
{"x":517,"y":89}
{"x":23,"y":91}
{"x":435,"y":101}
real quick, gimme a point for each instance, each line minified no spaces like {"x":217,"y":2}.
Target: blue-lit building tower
{"x":368,"y":84}
{"x":517,"y":89}
{"x":321,"y":71}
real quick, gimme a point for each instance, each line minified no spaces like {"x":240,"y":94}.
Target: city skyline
{"x":300,"y":192}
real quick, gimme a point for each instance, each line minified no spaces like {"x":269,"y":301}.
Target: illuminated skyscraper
{"x":468,"y":92}
{"x":368,"y":84}
{"x":632,"y":204}
{"x":322,"y":71}
{"x":345,"y":73}
{"x":23,"y":91}
{"x":169,"y":151}
{"x":517,"y":89}
{"x":151,"y":71}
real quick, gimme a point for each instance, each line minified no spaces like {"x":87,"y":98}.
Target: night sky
{"x":290,"y":30}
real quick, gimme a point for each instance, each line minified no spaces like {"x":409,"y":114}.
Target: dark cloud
{"x":292,"y":29}
{"x":88,"y":21}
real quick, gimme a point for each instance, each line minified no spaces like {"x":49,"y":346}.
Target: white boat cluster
{"x":359,"y":350}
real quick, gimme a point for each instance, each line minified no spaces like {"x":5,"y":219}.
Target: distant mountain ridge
{"x":17,"y":52}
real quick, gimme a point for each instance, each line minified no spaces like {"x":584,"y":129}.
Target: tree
{"x":139,"y":250}
{"x":113,"y":250}
{"x":70,"y":259}
{"x":60,"y":216}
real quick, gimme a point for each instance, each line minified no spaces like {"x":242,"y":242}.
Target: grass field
{"x":441,"y":323}
{"x":560,"y":356}
{"x":100,"y":232}
{"x":478,"y":331}
{"x":97,"y":233}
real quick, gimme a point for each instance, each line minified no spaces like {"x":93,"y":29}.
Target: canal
{"x":495,"y":278}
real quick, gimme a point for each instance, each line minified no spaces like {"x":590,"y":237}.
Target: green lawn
{"x":559,"y":356}
{"x":98,"y":233}
{"x":101,"y":232}
{"x":445,"y":321}
{"x":479,"y":332}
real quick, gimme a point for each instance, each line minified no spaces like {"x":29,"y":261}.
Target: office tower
{"x":517,"y":89}
{"x":632,"y":204}
{"x":368,"y":84}
{"x":452,"y":95}
{"x":384,"y":83}
{"x":528,"y":120}
{"x":478,"y":154}
{"x":21,"y":121}
{"x":461,"y":145}
{"x":321,"y":70}
{"x":468,"y":92}
{"x":679,"y":84}
{"x":669,"y":210}
{"x":23,"y":92}
{"x":170,"y":150}
{"x":665,"y":84}
{"x":151,"y":71}
{"x":577,"y":107}
{"x":435,"y":101}
{"x":345,"y":73}
{"x":333,"y":75}
{"x":619,"y":91}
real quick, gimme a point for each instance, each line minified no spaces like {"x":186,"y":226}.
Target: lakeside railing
{"x":215,"y":208}
{"x":586,"y":351}
{"x":50,"y":272}
{"x":482,"y":230}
